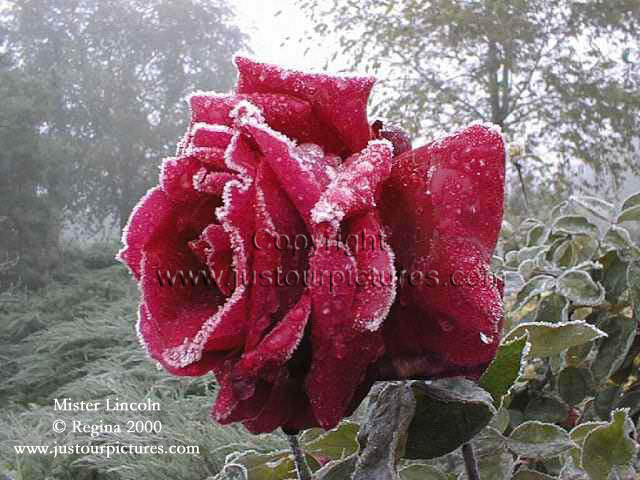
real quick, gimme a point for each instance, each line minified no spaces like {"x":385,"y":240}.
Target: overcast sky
{"x":268,"y":30}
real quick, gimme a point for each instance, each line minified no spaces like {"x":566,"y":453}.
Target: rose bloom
{"x":292,"y":155}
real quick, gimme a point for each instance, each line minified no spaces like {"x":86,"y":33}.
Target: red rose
{"x":266,"y":254}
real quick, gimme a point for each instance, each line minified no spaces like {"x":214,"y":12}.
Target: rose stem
{"x":302,"y":469}
{"x":470,"y":462}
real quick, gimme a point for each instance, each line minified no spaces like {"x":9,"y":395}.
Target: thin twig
{"x":470,"y":462}
{"x":522,"y":184}
{"x":302,"y":468}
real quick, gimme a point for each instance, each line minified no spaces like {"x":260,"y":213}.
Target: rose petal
{"x":151,"y":336}
{"x":376,"y":288}
{"x":215,"y":136}
{"x":151,"y":216}
{"x":295,"y":176}
{"x":340,"y":102}
{"x":278,"y":407}
{"x":342,"y":352}
{"x":277,"y":347}
{"x":219,"y":257}
{"x":192,"y":323}
{"x":211,"y":182}
{"x":454,"y":186}
{"x":354,"y":189}
{"x":176,"y":290}
{"x":177,"y":178}
{"x":292,"y":116}
{"x":443,"y":204}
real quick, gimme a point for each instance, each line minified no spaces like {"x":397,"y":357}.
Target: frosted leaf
{"x":579,"y":287}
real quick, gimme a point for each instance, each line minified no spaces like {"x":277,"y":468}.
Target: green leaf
{"x":449,"y":413}
{"x":530,"y":253}
{"x":585,"y":247}
{"x":336,"y":444}
{"x":548,"y":339}
{"x":535,"y":439}
{"x":422,"y":472}
{"x":631,"y":214}
{"x":504,"y":369}
{"x":605,"y":400}
{"x":631,"y":201}
{"x":536,"y":235}
{"x":385,"y":434}
{"x":252,"y":465}
{"x":613,"y":349}
{"x":553,"y":308}
{"x":596,"y":206}
{"x":532,"y":288}
{"x":608,"y":447}
{"x":564,"y":253}
{"x":578,"y":434}
{"x":574,"y":384}
{"x":527,"y":267}
{"x":525,"y":474}
{"x":579,"y":287}
{"x":501,"y":420}
{"x":630,"y":400}
{"x":497,"y":466}
{"x":337,"y":469}
{"x":570,"y":471}
{"x":546,"y":409}
{"x":618,"y":237}
{"x":613,"y":275}
{"x":575,"y":225}
{"x":575,"y":356}
{"x":511,"y":258}
{"x":633,"y":280}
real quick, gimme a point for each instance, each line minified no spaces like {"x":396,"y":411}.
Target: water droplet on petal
{"x":445,"y":325}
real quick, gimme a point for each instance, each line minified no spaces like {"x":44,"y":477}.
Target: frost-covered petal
{"x":281,"y":249}
{"x":210,"y":182}
{"x":454,"y":186}
{"x":273,"y":351}
{"x":354,"y":188}
{"x":443,"y":206}
{"x":150,"y":217}
{"x":458,"y":319}
{"x":177,"y":178}
{"x":206,"y":135}
{"x":218,"y":256}
{"x":341,"y":350}
{"x":178,"y":296}
{"x":340,"y":102}
{"x":294,"y":117}
{"x":210,"y":156}
{"x":295,"y":177}
{"x":152,"y":338}
{"x":376,"y":284}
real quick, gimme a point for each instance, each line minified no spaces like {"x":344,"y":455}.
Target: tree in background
{"x":553,"y":66}
{"x":30,"y":207}
{"x":118,"y":71}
